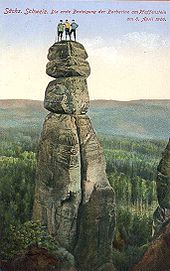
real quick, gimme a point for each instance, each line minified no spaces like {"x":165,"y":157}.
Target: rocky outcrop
{"x":58,"y":187}
{"x":67,"y":59}
{"x":34,"y":259}
{"x":67,"y":96}
{"x":73,"y":196}
{"x":162,"y":213}
{"x":96,"y":212}
{"x":157,"y":256}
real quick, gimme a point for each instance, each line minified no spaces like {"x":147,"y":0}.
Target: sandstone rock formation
{"x":157,"y":256}
{"x":73,"y":196}
{"x":34,"y":259}
{"x":67,"y":96}
{"x":162,"y":213}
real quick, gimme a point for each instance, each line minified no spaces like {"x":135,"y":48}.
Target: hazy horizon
{"x":22,"y":99}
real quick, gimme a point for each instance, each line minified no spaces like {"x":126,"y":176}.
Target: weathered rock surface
{"x":67,"y":59}
{"x":96,"y":219}
{"x":157,"y":256}
{"x":58,"y":183}
{"x":162,"y":213}
{"x":66,"y":49}
{"x":73,"y":196}
{"x":164,"y":165}
{"x":92,"y":158}
{"x":68,"y":67}
{"x":95,"y":231}
{"x":67,"y":96}
{"x":35,"y":259}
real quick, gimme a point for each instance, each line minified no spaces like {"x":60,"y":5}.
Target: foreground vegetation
{"x":131,"y":169}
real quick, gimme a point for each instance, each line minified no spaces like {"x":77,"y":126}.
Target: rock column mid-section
{"x":73,"y":196}
{"x":58,"y":182}
{"x":96,"y":218}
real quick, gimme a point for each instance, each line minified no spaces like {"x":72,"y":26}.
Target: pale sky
{"x":129,"y":60}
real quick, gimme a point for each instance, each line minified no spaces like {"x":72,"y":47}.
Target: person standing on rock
{"x":67,"y":29}
{"x":73,"y":29}
{"x":60,"y":30}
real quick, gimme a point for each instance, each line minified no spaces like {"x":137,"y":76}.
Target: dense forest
{"x":131,"y":169}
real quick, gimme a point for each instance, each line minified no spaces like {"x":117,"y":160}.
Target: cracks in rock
{"x":81,"y":158}
{"x":81,"y":183}
{"x":67,"y":198}
{"x":160,"y":175}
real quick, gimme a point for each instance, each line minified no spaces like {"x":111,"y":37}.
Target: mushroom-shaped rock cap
{"x":67,"y":59}
{"x":64,"y":49}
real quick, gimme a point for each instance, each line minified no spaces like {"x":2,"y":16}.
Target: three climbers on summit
{"x":68,"y":28}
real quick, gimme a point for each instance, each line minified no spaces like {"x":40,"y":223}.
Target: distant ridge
{"x":109,"y":103}
{"x":137,"y":118}
{"x":17,"y":103}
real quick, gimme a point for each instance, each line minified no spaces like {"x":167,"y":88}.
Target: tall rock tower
{"x":73,"y":196}
{"x":162,"y":213}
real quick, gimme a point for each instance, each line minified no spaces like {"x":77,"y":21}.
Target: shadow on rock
{"x":34,"y":259}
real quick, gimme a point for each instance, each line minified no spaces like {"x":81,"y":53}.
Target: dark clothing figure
{"x":74,"y":33}
{"x":60,"y":35}
{"x":73,"y":29}
{"x":60,"y":30}
{"x":67,"y":29}
{"x":67,"y":33}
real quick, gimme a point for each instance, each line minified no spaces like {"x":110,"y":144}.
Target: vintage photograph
{"x":84,"y":135}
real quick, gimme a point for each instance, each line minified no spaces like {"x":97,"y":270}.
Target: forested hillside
{"x":131,"y":168}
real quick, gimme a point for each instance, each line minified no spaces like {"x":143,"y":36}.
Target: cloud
{"x":98,"y":48}
{"x":139,"y":40}
{"x":23,"y":72}
{"x":134,"y":66}
{"x":143,"y":40}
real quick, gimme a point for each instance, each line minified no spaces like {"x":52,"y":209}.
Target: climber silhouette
{"x":74,"y":26}
{"x":60,"y":30}
{"x":67,"y":29}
